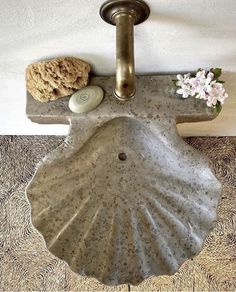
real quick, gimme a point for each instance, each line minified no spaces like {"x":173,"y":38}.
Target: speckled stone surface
{"x":124,"y":197}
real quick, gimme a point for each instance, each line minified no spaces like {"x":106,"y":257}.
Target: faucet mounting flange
{"x":124,"y":14}
{"x":112,"y":7}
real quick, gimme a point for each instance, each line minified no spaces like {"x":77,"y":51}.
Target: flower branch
{"x":203,"y":85}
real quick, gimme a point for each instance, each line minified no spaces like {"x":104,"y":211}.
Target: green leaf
{"x":217,"y":72}
{"x":218,"y":107}
{"x":222,"y":82}
{"x":174,"y":82}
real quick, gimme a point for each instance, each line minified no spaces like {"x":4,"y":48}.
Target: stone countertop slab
{"x":150,"y":89}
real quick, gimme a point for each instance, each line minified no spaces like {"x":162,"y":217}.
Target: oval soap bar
{"x":86,"y":99}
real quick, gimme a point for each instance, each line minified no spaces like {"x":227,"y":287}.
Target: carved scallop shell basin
{"x":124,"y":197}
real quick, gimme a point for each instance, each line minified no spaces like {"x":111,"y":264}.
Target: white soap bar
{"x":86,"y":99}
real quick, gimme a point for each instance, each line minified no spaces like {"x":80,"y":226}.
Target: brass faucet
{"x":124,"y":14}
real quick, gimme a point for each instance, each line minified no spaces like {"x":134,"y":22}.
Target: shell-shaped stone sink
{"x":124,"y":197}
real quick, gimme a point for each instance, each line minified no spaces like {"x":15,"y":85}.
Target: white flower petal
{"x":210,"y":76}
{"x":180,"y":91}
{"x":179,"y":77}
{"x":185,"y":95}
{"x":201,"y":74}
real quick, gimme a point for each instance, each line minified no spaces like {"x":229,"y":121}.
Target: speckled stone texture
{"x":123,"y":220}
{"x":27,"y":265}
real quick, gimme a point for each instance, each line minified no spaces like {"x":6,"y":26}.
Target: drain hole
{"x":125,"y":85}
{"x":122,"y":156}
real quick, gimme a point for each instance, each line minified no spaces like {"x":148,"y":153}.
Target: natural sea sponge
{"x":53,"y":79}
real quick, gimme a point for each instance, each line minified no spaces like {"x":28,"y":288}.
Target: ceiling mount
{"x":138,"y":8}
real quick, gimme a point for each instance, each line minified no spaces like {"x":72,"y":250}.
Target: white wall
{"x":180,"y":36}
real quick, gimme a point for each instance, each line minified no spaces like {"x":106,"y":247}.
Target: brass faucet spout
{"x":124,"y":14}
{"x":125,"y":72}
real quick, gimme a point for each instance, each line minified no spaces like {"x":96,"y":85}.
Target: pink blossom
{"x":202,"y":86}
{"x":185,"y":91}
{"x":216,"y":92}
{"x":182,"y":79}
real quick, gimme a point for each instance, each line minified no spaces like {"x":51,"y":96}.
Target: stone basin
{"x":124,"y":197}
